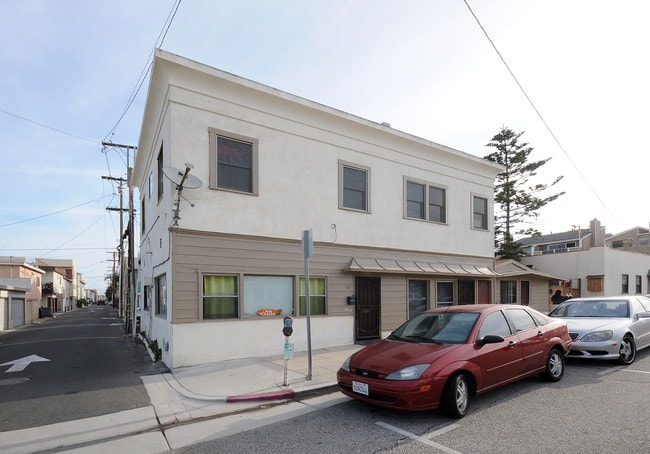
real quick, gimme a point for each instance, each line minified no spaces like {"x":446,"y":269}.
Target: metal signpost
{"x":308,"y":249}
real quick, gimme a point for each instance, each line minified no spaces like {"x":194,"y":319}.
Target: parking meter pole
{"x":287,"y":330}
{"x":286,"y":362}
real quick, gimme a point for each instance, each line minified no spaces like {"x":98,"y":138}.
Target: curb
{"x":273,"y":395}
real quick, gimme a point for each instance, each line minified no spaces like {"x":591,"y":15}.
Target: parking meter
{"x":287,"y":330}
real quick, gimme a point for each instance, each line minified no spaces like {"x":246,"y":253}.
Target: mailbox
{"x":287,"y":329}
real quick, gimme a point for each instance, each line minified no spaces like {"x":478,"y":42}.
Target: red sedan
{"x":444,"y":356}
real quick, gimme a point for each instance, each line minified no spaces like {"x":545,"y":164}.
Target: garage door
{"x":17,"y":311}
{"x":3,"y":313}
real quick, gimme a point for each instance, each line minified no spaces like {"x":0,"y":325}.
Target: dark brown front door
{"x":466,"y":292}
{"x":368,"y":308}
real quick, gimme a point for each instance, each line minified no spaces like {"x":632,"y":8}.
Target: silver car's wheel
{"x":627,"y":352}
{"x":554,"y":365}
{"x":455,"y":396}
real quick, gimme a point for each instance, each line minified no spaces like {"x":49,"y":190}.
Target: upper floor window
{"x":622,"y":243}
{"x":354,"y":187}
{"x":233,"y":163}
{"x":425,"y":202}
{"x":479,"y":212}
{"x":161,"y":180}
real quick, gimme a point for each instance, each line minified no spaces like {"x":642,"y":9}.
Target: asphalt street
{"x":76,"y":365}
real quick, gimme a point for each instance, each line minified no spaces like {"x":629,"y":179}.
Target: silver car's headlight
{"x":409,"y":373}
{"x":346,"y":364}
{"x":598,"y":336}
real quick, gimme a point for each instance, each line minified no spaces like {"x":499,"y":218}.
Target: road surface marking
{"x":424,"y":439}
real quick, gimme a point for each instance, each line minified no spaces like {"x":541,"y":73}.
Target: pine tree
{"x":516,"y":202}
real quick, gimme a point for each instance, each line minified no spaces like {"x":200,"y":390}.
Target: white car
{"x":609,"y":328}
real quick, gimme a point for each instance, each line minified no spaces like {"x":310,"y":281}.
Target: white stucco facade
{"x":300,"y":147}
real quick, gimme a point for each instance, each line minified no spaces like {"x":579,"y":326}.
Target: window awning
{"x":378,"y":265}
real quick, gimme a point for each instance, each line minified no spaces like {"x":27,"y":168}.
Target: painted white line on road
{"x":610,"y":370}
{"x":637,"y":371}
{"x":424,"y":439}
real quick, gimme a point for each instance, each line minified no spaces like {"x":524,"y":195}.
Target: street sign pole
{"x":307,"y":248}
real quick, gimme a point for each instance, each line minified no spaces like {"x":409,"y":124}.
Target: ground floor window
{"x":508,"y":292}
{"x":146,"y":297}
{"x":161,"y":295}
{"x":525,"y":293}
{"x":316,"y":296}
{"x":444,"y":293}
{"x":268,"y":295}
{"x":220,"y":297}
{"x":417,"y":297}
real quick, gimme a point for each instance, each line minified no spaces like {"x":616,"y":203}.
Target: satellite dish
{"x":182,"y":179}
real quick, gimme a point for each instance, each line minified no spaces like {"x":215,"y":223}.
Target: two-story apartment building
{"x":399,"y":223}
{"x":593,"y":262}
{"x":21,"y":296}
{"x":62,"y":285}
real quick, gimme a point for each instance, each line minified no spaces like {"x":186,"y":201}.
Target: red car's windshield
{"x":441,"y":328}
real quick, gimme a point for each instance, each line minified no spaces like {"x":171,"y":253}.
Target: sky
{"x":571,"y":75}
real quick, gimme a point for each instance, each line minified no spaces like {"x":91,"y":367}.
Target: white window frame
{"x":342,"y":166}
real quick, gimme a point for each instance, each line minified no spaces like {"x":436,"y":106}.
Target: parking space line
{"x":610,"y":370}
{"x":424,"y":439}
{"x":637,"y":371}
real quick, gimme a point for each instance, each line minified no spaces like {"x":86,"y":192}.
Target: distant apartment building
{"x":20,"y":292}
{"x":593,"y":262}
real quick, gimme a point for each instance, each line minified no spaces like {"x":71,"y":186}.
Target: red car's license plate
{"x":361,"y":388}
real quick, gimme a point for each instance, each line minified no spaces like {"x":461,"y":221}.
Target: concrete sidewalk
{"x":184,"y":396}
{"x":230,"y":386}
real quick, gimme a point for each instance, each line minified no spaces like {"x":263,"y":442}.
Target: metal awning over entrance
{"x":377,"y":265}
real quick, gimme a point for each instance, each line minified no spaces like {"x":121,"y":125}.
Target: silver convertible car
{"x":611,"y":328}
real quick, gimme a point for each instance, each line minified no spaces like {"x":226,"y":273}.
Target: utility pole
{"x":130,"y":313}
{"x":120,"y":247}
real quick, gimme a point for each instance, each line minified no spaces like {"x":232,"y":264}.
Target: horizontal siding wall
{"x":203,"y":252}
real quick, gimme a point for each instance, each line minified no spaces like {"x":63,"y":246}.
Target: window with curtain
{"x":268,"y":296}
{"x":220,"y":297}
{"x":417,"y":297}
{"x":317,"y":296}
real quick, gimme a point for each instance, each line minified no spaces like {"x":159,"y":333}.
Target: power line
{"x":46,"y":126}
{"x":52,"y":214}
{"x":147,"y":66}
{"x":539,"y":115}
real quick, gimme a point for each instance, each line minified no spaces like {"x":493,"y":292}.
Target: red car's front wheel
{"x":455,"y":396}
